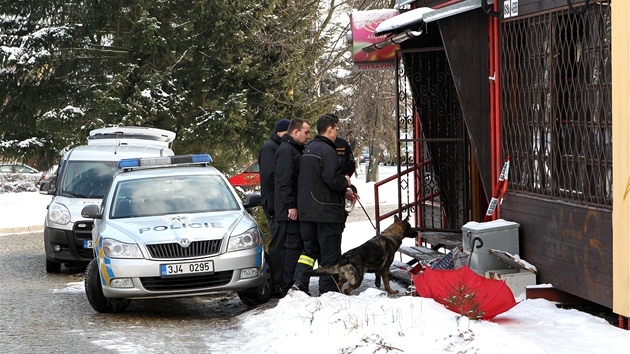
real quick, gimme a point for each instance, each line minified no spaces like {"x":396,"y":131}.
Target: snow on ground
{"x":371,"y":321}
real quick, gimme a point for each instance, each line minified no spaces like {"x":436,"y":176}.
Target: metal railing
{"x":556,"y":104}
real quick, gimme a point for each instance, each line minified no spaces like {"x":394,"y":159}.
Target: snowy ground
{"x":371,"y":321}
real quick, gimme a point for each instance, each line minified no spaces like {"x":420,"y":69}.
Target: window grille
{"x":556,"y":112}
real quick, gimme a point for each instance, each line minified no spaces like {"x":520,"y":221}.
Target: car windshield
{"x":253,"y":168}
{"x":88,"y":179}
{"x":171,"y":195}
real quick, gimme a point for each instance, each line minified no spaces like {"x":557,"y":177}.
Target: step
{"x":400,"y":274}
{"x":420,"y":253}
{"x":441,"y":239}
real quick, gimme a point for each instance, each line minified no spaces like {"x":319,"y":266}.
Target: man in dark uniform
{"x":346,"y":158}
{"x":287,"y":171}
{"x":321,"y":190}
{"x":348,"y":167}
{"x":267,"y":163}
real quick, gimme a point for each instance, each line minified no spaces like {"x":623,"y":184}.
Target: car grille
{"x":188,"y":282}
{"x":83,"y":231}
{"x":175,"y":250}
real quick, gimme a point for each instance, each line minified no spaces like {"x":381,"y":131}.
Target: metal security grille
{"x":437,"y":190}
{"x":556,"y":104}
{"x":174,"y":250}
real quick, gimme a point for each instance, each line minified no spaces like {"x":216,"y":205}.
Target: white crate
{"x":516,"y":279}
{"x":498,"y":234}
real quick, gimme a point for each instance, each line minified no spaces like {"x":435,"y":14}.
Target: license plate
{"x":186,"y":268}
{"x":88,"y":244}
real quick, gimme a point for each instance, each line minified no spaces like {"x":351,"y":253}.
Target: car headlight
{"x":249,"y":239}
{"x":58,"y":214}
{"x":116,"y":249}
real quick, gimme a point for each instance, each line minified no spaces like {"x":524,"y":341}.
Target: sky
{"x":371,"y":321}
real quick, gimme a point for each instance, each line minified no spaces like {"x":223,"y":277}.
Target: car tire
{"x":94,"y":292}
{"x":52,"y":267}
{"x":257,"y":296}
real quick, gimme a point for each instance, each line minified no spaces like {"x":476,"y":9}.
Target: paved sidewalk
{"x":22,"y":229}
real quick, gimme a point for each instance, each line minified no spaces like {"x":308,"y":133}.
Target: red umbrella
{"x":465,"y":292}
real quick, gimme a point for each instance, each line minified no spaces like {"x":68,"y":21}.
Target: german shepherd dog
{"x":374,"y":256}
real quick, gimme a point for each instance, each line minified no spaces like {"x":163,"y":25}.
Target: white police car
{"x":173,"y":227}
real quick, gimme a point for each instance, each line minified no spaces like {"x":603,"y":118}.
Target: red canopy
{"x":465,"y":292}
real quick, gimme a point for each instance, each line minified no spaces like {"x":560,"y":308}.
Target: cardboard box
{"x":516,"y":279}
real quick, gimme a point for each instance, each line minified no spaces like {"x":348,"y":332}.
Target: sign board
{"x":510,"y":8}
{"x":363,"y":25}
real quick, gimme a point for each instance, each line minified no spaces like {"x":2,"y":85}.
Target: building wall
{"x":621,"y":153}
{"x":570,"y":244}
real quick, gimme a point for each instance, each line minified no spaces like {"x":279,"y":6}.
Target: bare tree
{"x":372,"y":123}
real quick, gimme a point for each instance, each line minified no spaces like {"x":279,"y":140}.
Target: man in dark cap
{"x":287,"y":171}
{"x":267,"y":163}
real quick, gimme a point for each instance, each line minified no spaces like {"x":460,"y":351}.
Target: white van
{"x":82,"y":178}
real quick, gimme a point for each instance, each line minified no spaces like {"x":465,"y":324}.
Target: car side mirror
{"x":252,"y":200}
{"x":46,"y":188}
{"x":92,"y":211}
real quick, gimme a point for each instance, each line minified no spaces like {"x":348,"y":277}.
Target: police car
{"x":172,"y":227}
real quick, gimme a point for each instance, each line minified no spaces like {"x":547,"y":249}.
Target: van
{"x":82,"y":178}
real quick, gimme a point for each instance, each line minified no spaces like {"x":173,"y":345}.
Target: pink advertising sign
{"x":363,"y":25}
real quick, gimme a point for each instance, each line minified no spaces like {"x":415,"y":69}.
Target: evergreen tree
{"x":218,"y":73}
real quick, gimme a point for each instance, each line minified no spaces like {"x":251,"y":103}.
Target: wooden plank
{"x":420,"y":253}
{"x":552,"y":294}
{"x":528,"y":7}
{"x":437,"y":239}
{"x":400,"y":274}
{"x":465,"y":39}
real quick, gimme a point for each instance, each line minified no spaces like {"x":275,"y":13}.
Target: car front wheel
{"x":257,"y":296}
{"x":94,"y":292}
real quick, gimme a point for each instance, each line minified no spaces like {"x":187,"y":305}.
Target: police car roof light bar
{"x":165,"y":161}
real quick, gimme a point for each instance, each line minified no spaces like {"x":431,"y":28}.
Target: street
{"x":44,"y":313}
{"x":49,"y":313}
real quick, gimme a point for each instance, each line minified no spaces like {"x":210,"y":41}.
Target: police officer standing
{"x":287,"y":171}
{"x":267,"y":163}
{"x":321,"y":190}
{"x":346,"y":158}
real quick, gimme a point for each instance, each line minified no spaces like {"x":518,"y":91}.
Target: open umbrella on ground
{"x":465,"y":292}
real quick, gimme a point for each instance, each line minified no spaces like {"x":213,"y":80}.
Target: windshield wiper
{"x":75,"y":195}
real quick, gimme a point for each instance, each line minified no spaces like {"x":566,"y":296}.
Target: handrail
{"x":377,"y":211}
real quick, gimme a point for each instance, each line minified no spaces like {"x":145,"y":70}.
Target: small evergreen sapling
{"x":464,"y":302}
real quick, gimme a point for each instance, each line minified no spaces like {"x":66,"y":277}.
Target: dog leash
{"x":366,"y":213}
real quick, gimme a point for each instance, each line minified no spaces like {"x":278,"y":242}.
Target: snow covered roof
{"x":414,"y":18}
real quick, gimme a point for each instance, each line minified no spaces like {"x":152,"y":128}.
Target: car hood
{"x":167,"y":228}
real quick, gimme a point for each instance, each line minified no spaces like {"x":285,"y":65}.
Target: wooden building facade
{"x":534,"y":82}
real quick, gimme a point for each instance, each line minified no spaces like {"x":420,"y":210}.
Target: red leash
{"x":366,"y":213}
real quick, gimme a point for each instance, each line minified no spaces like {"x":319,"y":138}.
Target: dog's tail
{"x":325,"y":270}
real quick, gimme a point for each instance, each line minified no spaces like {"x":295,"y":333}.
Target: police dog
{"x":374,"y":256}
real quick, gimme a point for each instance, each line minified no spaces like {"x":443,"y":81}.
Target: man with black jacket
{"x":267,"y":163}
{"x":346,"y":158}
{"x":321,"y":193}
{"x":287,"y":171}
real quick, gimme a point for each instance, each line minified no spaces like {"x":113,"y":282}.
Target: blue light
{"x":180,"y":160}
{"x":128,"y":163}
{"x":202,"y":158}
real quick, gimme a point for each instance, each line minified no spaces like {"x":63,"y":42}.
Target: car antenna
{"x":118,"y":134}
